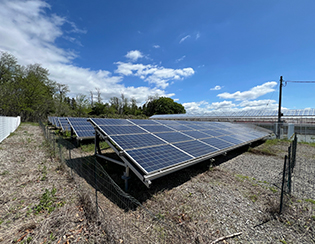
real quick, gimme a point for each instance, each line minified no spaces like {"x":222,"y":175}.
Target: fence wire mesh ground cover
{"x":184,"y":208}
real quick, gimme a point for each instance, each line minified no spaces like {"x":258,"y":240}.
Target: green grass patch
{"x":243,"y":177}
{"x":310,"y":200}
{"x":4,"y":173}
{"x":30,"y":123}
{"x":91,"y":147}
{"x":312,"y":144}
{"x":274,"y":190}
{"x":47,"y":202}
{"x":254,"y":198}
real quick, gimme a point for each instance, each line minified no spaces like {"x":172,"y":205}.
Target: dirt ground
{"x":235,"y":195}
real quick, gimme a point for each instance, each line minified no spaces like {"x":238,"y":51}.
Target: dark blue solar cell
{"x":173,"y":137}
{"x":222,"y":125}
{"x":167,"y":122}
{"x":100,"y":121}
{"x":244,"y":137}
{"x":195,"y":127}
{"x":122,"y":130}
{"x":232,"y":139}
{"x":209,"y":127}
{"x":136,"y":141}
{"x":158,"y":158}
{"x":212,"y":133}
{"x":85,"y":133}
{"x":196,"y":148}
{"x":179,"y":127}
{"x":218,"y":143}
{"x":196,"y":134}
{"x":156,"y":128}
{"x":64,"y":124}
{"x":143,"y":121}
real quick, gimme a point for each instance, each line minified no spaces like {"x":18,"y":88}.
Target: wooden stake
{"x":226,"y":237}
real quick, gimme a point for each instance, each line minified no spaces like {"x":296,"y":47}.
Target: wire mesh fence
{"x":123,"y":218}
{"x":287,"y":175}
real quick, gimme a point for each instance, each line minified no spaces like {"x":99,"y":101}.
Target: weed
{"x":274,"y":190}
{"x":1,"y":221}
{"x":28,"y":211}
{"x":52,"y":237}
{"x":44,"y":172}
{"x":254,"y":198}
{"x":29,"y":239}
{"x":283,"y":241}
{"x":47,"y":201}
{"x":313,"y":217}
{"x":310,"y":200}
{"x":160,"y":216}
{"x":242,"y":177}
{"x":4,"y":172}
{"x":91,"y":147}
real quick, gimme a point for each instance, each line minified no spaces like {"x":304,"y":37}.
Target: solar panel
{"x":156,"y":128}
{"x":152,"y":148}
{"x":136,"y":141}
{"x":197,"y":134}
{"x":196,"y":148}
{"x":100,"y":121}
{"x":64,"y":123}
{"x":232,"y":139}
{"x":217,"y":143}
{"x":143,"y":122}
{"x":122,"y":130}
{"x":156,"y":158}
{"x":173,"y":137}
{"x":213,"y":133}
{"x":81,"y":127}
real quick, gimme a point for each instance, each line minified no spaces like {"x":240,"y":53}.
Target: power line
{"x":299,"y":81}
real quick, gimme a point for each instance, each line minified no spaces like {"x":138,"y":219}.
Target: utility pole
{"x":279,"y":109}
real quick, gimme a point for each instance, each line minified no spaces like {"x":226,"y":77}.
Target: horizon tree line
{"x":28,"y":92}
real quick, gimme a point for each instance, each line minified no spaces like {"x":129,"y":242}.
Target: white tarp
{"x":8,"y":125}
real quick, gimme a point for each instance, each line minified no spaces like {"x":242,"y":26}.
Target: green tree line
{"x":28,"y":92}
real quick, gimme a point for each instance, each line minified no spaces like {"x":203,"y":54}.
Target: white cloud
{"x":197,"y":36}
{"x":253,"y":93}
{"x":29,"y":33}
{"x":219,"y":106}
{"x":156,"y":46}
{"x":184,"y":38}
{"x":259,"y":104}
{"x":134,"y":55}
{"x":196,"y":107}
{"x":216,"y":88}
{"x":203,"y":107}
{"x":180,"y":59}
{"x":153,"y":74}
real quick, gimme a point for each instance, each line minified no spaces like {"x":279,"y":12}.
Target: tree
{"x":163,"y":105}
{"x":25,"y":91}
{"x":82,"y":105}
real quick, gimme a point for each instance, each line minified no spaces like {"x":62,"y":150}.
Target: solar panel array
{"x":156,"y":145}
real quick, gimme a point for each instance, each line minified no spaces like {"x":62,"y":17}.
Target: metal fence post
{"x":282,"y":186}
{"x":290,"y":168}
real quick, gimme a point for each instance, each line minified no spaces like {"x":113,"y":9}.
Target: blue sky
{"x":222,"y":55}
